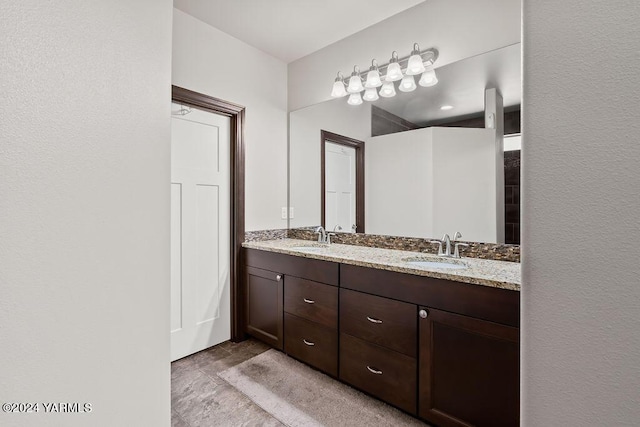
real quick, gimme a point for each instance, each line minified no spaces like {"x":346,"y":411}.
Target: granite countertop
{"x":496,"y":274}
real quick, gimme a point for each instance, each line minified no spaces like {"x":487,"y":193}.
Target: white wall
{"x":581,"y":210}
{"x":432,"y":181}
{"x":399,"y":184}
{"x":457,"y":29}
{"x":466,"y":187}
{"x":209,"y":61}
{"x":84,"y":210}
{"x":336,"y":116}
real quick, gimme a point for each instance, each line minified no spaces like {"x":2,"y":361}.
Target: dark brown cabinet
{"x":308,"y":310}
{"x":263,"y":305}
{"x":443,"y":350}
{"x":469,"y":370}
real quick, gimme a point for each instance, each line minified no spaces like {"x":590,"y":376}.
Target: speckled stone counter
{"x":497,"y":274}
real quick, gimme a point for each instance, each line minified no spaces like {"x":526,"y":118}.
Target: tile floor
{"x":200,"y":398}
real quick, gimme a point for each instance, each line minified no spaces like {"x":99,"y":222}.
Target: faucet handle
{"x":329,"y":237}
{"x":456,"y":253}
{"x":457,"y":236}
{"x":439,"y":242}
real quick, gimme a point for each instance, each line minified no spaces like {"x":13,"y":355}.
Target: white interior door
{"x":200,"y":231}
{"x":340,"y":186}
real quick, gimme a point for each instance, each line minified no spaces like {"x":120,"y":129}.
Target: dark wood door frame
{"x":235,"y":113}
{"x":359,"y":147}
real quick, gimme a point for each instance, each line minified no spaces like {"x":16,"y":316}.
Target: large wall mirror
{"x":433,"y":163}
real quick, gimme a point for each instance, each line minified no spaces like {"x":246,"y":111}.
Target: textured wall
{"x":581,"y":210}
{"x":84,"y":210}
{"x":209,"y":61}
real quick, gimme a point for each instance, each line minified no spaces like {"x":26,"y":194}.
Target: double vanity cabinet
{"x":441,"y":350}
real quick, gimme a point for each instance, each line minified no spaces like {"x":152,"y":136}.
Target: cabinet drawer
{"x":381,"y":372}
{"x":389,"y":323}
{"x":311,"y":343}
{"x":312,"y":300}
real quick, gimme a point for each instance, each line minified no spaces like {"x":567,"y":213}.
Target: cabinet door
{"x":469,"y":371}
{"x":263,"y":305}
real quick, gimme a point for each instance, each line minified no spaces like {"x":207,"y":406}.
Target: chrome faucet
{"x":322,"y":235}
{"x":446,"y":242}
{"x":337,"y":228}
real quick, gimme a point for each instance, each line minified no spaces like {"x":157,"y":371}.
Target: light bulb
{"x":394,"y":72}
{"x":428,"y":78}
{"x":373,"y":79}
{"x":370,"y":94}
{"x":338,"y":90}
{"x":387,"y":90}
{"x":415,"y":65}
{"x":355,"y":99}
{"x":408,"y":84}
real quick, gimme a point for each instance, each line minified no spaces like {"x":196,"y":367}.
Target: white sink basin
{"x":436,"y":263}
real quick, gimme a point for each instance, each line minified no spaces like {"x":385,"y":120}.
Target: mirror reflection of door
{"x":340,"y":187}
{"x":342,"y":183}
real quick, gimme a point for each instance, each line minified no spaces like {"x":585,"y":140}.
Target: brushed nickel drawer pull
{"x":308,"y":301}
{"x":309,"y":343}
{"x":372,"y":320}
{"x":374,"y":371}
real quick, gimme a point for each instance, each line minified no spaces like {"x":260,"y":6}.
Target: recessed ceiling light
{"x":446,"y":107}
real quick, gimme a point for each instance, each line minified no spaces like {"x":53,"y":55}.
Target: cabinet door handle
{"x":374,"y":371}
{"x":308,"y":301}
{"x":423,"y":314}
{"x":278,"y":277}
{"x":309,"y":343}
{"x":372,"y":320}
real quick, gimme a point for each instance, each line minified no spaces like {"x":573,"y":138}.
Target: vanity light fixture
{"x":355,"y":81}
{"x":415,"y":65}
{"x":355,"y":99}
{"x":338,"y":90}
{"x":407,"y":84}
{"x":428,"y":78}
{"x":370,"y":94}
{"x":373,"y":76}
{"x":394,"y":71}
{"x":419,"y":62}
{"x":388,"y":90}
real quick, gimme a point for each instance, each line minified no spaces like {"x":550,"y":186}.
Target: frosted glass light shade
{"x":387,"y":90}
{"x":415,"y":65}
{"x":373,"y":79}
{"x":355,"y":85}
{"x":394,"y":72}
{"x":338,"y":90}
{"x":355,"y":99}
{"x":428,"y":78}
{"x":370,"y":94}
{"x":408,"y":84}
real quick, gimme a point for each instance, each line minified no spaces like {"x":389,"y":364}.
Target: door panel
{"x":200,"y":232}
{"x":340,"y":186}
{"x":469,"y":371}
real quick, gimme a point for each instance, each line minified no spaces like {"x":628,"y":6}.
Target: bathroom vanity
{"x":439,"y":344}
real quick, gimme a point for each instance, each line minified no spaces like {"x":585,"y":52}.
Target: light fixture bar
{"x":417,"y":63}
{"x":428,"y":55}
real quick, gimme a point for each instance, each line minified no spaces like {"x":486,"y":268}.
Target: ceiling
{"x":291,"y":29}
{"x":461,"y":85}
